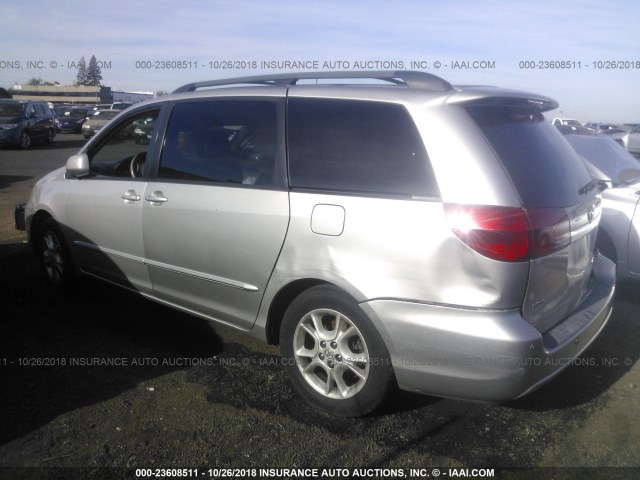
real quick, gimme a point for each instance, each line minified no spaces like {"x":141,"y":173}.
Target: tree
{"x":35,"y":81}
{"x":161,"y":93}
{"x":81,"y":78}
{"x":4,"y":93}
{"x":94,"y":76}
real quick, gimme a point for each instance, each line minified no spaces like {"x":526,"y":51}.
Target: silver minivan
{"x":386,"y":231}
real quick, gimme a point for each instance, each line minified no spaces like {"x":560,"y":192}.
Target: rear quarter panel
{"x":393,"y":248}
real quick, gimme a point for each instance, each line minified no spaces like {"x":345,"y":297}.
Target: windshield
{"x":74,"y":112}
{"x":11,"y":109}
{"x":606,"y":159}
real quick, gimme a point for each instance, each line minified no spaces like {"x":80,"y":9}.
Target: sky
{"x":584,"y":54}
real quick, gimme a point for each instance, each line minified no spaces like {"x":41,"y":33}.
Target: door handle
{"x":130,"y":196}
{"x":156,"y":197}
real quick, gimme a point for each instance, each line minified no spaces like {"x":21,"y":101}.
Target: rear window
{"x":356,"y":146}
{"x":546,"y":171}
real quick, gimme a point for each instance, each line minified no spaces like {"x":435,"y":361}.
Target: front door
{"x":106,"y":206}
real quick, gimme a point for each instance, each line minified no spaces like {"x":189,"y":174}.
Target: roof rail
{"x":409,"y":78}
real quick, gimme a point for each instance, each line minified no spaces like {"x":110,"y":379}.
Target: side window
{"x":222,"y":141}
{"x":122,"y":153}
{"x":31,"y":111}
{"x":39,"y":109}
{"x":356,"y":146}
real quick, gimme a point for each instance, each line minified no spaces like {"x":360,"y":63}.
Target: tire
{"x":25,"y":140}
{"x":50,"y":136}
{"x":53,"y":256}
{"x":334,"y":357}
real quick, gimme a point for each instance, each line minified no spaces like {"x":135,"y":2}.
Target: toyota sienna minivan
{"x":387,"y":231}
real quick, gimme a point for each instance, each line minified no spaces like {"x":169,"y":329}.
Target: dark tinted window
{"x":11,"y":109}
{"x":544,"y":168}
{"x":356,"y":146}
{"x":221,"y":141}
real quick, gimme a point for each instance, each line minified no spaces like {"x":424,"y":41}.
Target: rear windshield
{"x":546,"y":171}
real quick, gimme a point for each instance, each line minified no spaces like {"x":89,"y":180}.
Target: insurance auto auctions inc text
{"x":346,"y":473}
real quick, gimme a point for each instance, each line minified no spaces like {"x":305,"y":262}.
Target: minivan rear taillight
{"x":510,"y":234}
{"x":551,"y":230}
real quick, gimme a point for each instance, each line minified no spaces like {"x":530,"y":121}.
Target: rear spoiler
{"x":490,"y":96}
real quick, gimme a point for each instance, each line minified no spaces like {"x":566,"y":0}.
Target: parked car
{"x":599,"y":127}
{"x":566,"y":121}
{"x":613,"y":131}
{"x":631,"y":141}
{"x":25,"y":122}
{"x":70,"y":120}
{"x":619,"y":233}
{"x":96,"y":121}
{"x":616,"y":134}
{"x":102,"y":106}
{"x":120,"y":105}
{"x":564,"y":129}
{"x":411,"y":234}
{"x":143,"y":129}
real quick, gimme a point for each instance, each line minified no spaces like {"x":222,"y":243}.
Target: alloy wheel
{"x":25,"y":140}
{"x":52,"y":258}
{"x":331,"y":354}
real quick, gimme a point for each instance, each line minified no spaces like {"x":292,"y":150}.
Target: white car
{"x":619,"y":232}
{"x":566,"y":121}
{"x":631,"y":141}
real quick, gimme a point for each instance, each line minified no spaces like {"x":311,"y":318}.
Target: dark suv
{"x":23,"y":122}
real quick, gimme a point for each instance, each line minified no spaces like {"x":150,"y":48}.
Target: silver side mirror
{"x":77,"y":166}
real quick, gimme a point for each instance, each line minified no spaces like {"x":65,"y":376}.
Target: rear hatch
{"x":560,"y":199}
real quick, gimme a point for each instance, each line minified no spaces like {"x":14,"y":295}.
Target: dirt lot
{"x":184,"y":394}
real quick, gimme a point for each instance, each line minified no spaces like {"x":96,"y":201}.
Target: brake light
{"x":551,"y":230}
{"x":510,"y":234}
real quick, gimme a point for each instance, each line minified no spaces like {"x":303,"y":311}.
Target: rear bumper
{"x":486,"y":355}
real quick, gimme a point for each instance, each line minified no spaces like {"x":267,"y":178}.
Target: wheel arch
{"x":281,"y":302}
{"x":36,"y":224}
{"x":26,"y":130}
{"x":606,"y":245}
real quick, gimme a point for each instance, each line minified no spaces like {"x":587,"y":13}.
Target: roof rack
{"x":409,"y":78}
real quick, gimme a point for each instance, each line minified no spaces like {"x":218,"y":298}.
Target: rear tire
{"x":335,"y":358}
